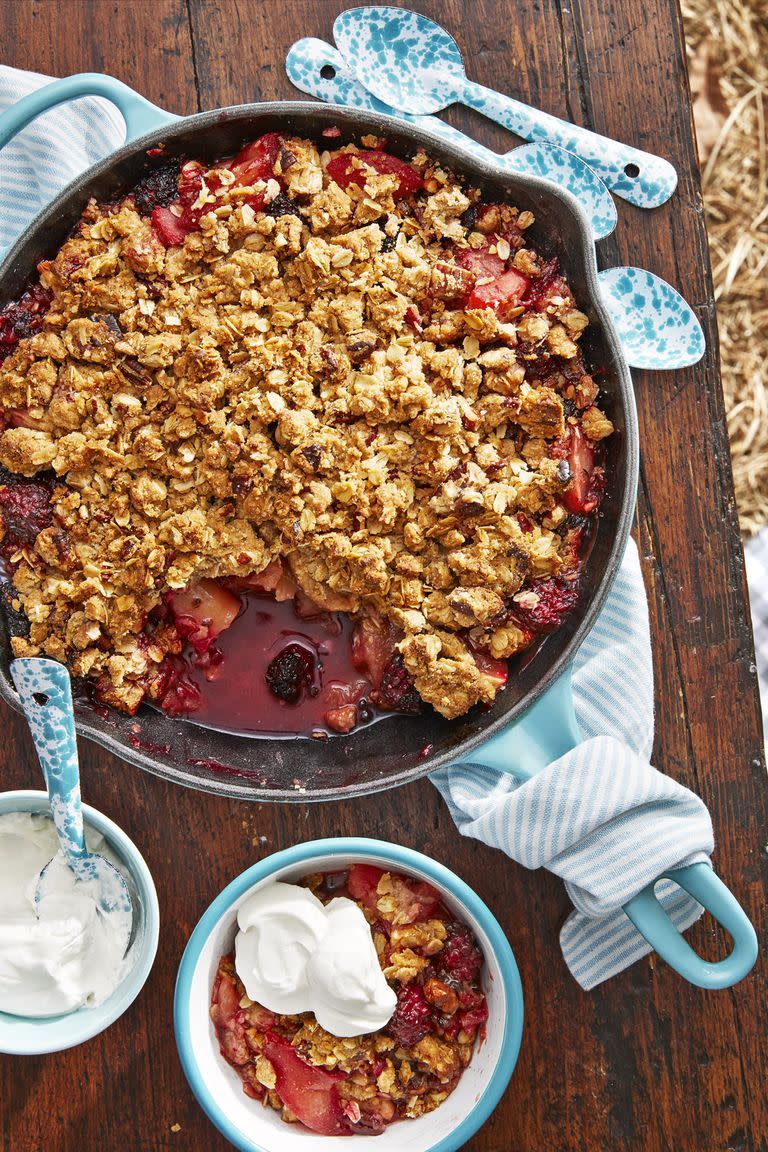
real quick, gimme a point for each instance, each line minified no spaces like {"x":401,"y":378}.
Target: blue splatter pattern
{"x":656,"y":326}
{"x":414,"y":65}
{"x":45,"y":690}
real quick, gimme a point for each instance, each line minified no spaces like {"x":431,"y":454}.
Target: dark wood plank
{"x":645,"y":1063}
{"x":146,"y":45}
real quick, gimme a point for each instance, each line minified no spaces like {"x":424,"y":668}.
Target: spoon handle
{"x":639,"y":177}
{"x":45,"y":691}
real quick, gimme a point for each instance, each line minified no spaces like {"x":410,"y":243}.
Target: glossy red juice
{"x":237,"y":697}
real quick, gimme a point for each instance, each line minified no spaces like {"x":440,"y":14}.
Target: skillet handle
{"x":140,"y":116}
{"x":548,"y":730}
{"x":545,"y":731}
{"x":648,"y":916}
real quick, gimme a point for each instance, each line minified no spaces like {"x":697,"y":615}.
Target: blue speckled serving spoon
{"x":414,"y":65}
{"x":45,"y":691}
{"x":658,"y":329}
{"x":319,"y":69}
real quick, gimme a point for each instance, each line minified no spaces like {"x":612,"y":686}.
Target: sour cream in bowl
{"x":63,"y":977}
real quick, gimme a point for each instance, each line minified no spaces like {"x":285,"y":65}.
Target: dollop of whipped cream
{"x":295,"y":954}
{"x":64,"y":954}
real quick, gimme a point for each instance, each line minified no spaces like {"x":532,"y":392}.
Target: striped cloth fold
{"x":601,"y":817}
{"x":50,"y":152}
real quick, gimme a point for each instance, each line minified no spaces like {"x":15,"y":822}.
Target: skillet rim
{"x":465,"y":163}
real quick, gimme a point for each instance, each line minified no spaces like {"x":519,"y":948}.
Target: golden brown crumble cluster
{"x":308,"y":387}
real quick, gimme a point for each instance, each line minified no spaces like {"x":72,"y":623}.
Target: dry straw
{"x":728,"y":57}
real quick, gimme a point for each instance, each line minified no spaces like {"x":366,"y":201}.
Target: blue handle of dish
{"x":309,"y":58}
{"x":654,"y":179}
{"x":549,"y":729}
{"x":649,"y":917}
{"x":545,"y":731}
{"x":45,"y":691}
{"x":140,"y":116}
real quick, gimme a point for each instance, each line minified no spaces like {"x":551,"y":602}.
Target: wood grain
{"x":646,"y":1062}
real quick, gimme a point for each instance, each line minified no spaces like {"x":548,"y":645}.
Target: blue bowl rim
{"x":93,"y":1021}
{"x":392,"y":854}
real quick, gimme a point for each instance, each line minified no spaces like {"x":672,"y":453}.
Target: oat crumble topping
{"x":367,"y":376}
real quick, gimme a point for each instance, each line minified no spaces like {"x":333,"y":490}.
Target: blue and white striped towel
{"x":756,"y":560}
{"x":51,"y":152}
{"x":601,"y":817}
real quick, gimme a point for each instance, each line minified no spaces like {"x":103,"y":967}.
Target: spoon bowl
{"x":402,"y":57}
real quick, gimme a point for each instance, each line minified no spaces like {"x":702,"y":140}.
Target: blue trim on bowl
{"x":393,"y":855}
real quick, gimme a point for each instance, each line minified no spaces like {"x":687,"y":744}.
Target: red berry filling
{"x":411,"y":1020}
{"x":356,"y":167}
{"x":461,"y":958}
{"x":555,"y":597}
{"x":481,"y":261}
{"x":547,"y":284}
{"x":312,"y":1094}
{"x":396,"y":692}
{"x":22,"y":318}
{"x":26,"y":510}
{"x":501,"y":295}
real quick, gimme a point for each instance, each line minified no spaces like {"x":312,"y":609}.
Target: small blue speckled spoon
{"x":319,"y":69}
{"x":45,"y":692}
{"x":414,"y":65}
{"x":656,"y":326}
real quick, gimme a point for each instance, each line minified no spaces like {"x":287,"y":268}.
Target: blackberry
{"x":158,"y":188}
{"x":282,"y":205}
{"x":291,"y":671}
{"x":397,"y":692}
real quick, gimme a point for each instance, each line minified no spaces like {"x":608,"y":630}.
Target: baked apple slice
{"x":310,"y":1093}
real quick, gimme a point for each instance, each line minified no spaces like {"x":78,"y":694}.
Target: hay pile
{"x":728,"y":62}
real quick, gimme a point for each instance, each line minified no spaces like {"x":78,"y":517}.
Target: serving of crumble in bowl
{"x":310,"y":420}
{"x":434,"y":1073}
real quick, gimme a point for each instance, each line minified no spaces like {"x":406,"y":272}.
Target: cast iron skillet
{"x":532,"y":721}
{"x":395,"y":749}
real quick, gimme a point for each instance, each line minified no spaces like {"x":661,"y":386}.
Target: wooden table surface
{"x":646,"y":1062}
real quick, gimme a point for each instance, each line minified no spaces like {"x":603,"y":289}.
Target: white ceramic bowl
{"x":27,"y":1036}
{"x":253,"y":1128}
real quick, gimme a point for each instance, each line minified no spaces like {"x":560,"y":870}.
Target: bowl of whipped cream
{"x":64,"y":976}
{"x":293,"y":955}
